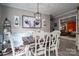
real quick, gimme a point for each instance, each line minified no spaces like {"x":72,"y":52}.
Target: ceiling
{"x":54,"y":9}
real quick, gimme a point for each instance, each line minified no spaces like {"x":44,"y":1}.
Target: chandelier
{"x":37,"y":15}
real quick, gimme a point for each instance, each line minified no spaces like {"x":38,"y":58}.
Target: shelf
{"x":6,"y":34}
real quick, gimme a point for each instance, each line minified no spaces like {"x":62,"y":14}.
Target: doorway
{"x":67,"y":26}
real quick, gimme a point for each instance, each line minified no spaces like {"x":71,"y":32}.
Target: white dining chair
{"x":54,"y":42}
{"x":40,"y":44}
{"x":57,"y":32}
{"x":18,"y":49}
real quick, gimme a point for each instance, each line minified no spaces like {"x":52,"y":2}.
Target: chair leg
{"x":30,"y":53}
{"x":45,"y":52}
{"x":49,"y":52}
{"x":58,"y":45}
{"x":27,"y":50}
{"x":56,"y":52}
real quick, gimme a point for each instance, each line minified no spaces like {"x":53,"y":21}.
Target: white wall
{"x":10,"y":12}
{"x":0,"y":11}
{"x":0,"y":30}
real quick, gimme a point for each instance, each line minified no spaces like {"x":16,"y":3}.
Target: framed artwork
{"x":68,"y":23}
{"x":30,"y":22}
{"x":16,"y":21}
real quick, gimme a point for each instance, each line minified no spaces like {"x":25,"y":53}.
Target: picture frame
{"x":30,"y":22}
{"x":72,"y":18}
{"x":16,"y":21}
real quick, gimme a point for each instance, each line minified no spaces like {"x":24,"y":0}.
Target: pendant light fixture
{"x":37,"y":15}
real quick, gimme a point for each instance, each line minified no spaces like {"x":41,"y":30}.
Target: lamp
{"x":37,"y":15}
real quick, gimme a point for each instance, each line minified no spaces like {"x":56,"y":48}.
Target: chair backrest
{"x":54,"y":36}
{"x":17,"y":45}
{"x":40,"y":42}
